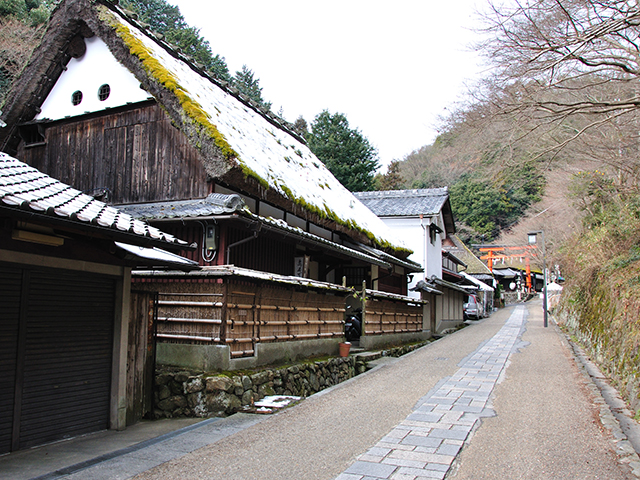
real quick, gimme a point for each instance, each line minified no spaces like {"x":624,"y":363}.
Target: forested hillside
{"x":552,"y":130}
{"x":563,"y":94}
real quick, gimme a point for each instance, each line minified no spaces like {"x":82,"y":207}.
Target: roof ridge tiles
{"x":397,"y":193}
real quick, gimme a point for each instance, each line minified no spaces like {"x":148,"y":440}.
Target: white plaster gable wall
{"x":86,"y":74}
{"x":416,"y":238}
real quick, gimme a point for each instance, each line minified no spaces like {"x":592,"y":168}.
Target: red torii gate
{"x":500,"y":253}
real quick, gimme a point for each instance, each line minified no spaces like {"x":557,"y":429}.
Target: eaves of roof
{"x":393,"y":296}
{"x":27,"y":193}
{"x":453,"y":286}
{"x":220,"y":205}
{"x":223,"y":271}
{"x":428,"y":201}
{"x":453,"y":257}
{"x":410,"y":265}
{"x":303,"y":237}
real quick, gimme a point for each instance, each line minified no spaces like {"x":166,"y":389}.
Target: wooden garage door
{"x":64,"y":350}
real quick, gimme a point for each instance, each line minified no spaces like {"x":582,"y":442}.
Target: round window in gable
{"x":103,"y":92}
{"x":76,"y":97}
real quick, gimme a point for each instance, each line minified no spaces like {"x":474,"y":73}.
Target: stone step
{"x":368,"y":356}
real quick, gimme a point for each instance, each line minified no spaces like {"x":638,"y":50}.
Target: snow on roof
{"x":261,"y":149}
{"x":481,"y":285}
{"x":157,"y":257}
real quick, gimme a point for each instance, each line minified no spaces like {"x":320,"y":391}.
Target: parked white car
{"x":472,"y":308}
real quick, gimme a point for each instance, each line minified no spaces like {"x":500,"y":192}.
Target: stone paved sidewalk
{"x":426,"y":443}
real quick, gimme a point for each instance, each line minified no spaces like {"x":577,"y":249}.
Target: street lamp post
{"x":533,"y":237}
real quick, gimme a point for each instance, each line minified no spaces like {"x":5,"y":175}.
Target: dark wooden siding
{"x":265,"y":253}
{"x":137,"y":154}
{"x":141,"y":355}
{"x":393,"y":284}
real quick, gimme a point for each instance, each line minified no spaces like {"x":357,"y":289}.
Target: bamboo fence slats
{"x":189,"y":304}
{"x":187,"y":320}
{"x":188,"y":337}
{"x":240,"y":315}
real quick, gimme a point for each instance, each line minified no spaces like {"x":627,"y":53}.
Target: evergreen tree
{"x":245,"y":82}
{"x":345,"y":151}
{"x":191,"y":43}
{"x":392,"y":180}
{"x":301,"y":126}
{"x":161,"y":16}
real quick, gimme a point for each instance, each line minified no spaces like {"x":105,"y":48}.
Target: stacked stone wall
{"x":185,"y":393}
{"x":180,"y":393}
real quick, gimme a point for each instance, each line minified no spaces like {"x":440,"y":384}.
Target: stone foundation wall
{"x":184,"y":393}
{"x":180,"y":392}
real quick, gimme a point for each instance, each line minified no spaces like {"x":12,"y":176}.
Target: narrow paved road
{"x":545,"y":425}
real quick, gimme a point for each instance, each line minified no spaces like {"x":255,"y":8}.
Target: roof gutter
{"x":240,"y":242}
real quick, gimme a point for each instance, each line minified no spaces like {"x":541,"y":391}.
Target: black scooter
{"x":353,"y":326}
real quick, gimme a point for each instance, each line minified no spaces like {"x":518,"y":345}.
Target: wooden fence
{"x":241,"y":314}
{"x":384,"y":316}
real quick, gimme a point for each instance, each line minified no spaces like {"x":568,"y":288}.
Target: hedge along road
{"x":544,"y":427}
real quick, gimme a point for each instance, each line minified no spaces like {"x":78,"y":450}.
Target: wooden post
{"x":223,"y":313}
{"x":363,"y":303}
{"x":256,"y":317}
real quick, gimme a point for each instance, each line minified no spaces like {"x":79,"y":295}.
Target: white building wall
{"x":415,"y":233}
{"x":86,"y":74}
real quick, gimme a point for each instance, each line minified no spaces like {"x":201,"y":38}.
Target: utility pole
{"x":533,"y":240}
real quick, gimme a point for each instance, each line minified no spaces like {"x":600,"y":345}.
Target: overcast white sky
{"x":390,"y":67}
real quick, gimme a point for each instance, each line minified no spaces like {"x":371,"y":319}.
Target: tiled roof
{"x":23,"y":187}
{"x":213,"y":204}
{"x":220,"y":204}
{"x":427,"y":201}
{"x":233,"y":271}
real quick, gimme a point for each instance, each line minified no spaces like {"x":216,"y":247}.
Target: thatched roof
{"x":238,"y":141}
{"x":475,"y":266}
